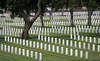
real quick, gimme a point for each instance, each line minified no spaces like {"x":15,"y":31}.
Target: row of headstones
{"x":47,"y":29}
{"x":81,"y":16}
{"x":81,"y":22}
{"x":85,"y":38}
{"x":20,"y":51}
{"x":3,"y":24}
{"x":38,"y":32}
{"x":16,"y":24}
{"x":11,"y":24}
{"x":77,"y":26}
{"x":49,"y":47}
{"x":84,"y":22}
{"x":70,"y":43}
{"x":5,"y":18}
{"x":46,"y":23}
{"x":64,"y":31}
{"x":87,"y":27}
{"x":10,"y":33}
{"x":88,"y":31}
{"x":15,"y":30}
{"x":49,"y":23}
{"x":97,"y":22}
{"x":79,"y":30}
{"x":54,"y":30}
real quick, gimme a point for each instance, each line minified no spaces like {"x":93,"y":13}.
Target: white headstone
{"x":71,"y":43}
{"x":94,"y":39}
{"x":23,"y":52}
{"x":14,"y":40}
{"x":36,"y":55}
{"x":19,"y":51}
{"x":71,"y":36}
{"x":83,"y":45}
{"x":78,"y":37}
{"x":62,"y":50}
{"x":49,"y":47}
{"x":55,"y":40}
{"x":45,"y":46}
{"x":75,"y":43}
{"x":31,"y":54}
{"x":17,"y":40}
{"x":93,"y":46}
{"x":40,"y":56}
{"x":51,"y":39}
{"x":41,"y":46}
{"x":86,"y":38}
{"x":98,"y":40}
{"x":4,"y":47}
{"x":1,"y":46}
{"x":66,"y":51}
{"x":63,"y":42}
{"x":53,"y":48}
{"x":57,"y":49}
{"x":82,"y":38}
{"x":8,"y":48}
{"x":74,"y":37}
{"x":20,"y":41}
{"x":48,"y":39}
{"x":45,"y":38}
{"x":8,"y":38}
{"x":71,"y":52}
{"x":90,"y":39}
{"x":12,"y":50}
{"x":27,"y":53}
{"x":86,"y":55}
{"x":15,"y":50}
{"x":23,"y":42}
{"x":76,"y":52}
{"x":5,"y":38}
{"x":81,"y":54}
{"x":88,"y":46}
{"x":59,"y":41}
{"x":67,"y":42}
{"x":26,"y":42}
{"x":38,"y":37}
{"x":11,"y":39}
{"x":34,"y":44}
{"x":98,"y":48}
{"x":30,"y":43}
{"x":79,"y":44}
{"x":42,"y":38}
{"x":37,"y":44}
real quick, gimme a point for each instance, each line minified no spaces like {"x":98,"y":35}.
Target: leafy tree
{"x":23,"y":8}
{"x":73,"y":5}
{"x":91,"y":6}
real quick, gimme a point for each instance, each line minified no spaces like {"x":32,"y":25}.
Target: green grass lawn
{"x":48,"y":55}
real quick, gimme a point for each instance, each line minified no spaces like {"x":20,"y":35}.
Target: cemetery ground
{"x":93,"y":55}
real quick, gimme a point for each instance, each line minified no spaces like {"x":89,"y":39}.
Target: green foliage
{"x":91,"y":4}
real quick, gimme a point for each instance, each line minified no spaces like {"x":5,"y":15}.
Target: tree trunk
{"x":71,"y":12}
{"x":89,"y":16}
{"x":28,"y":22}
{"x":41,"y":18}
{"x":62,"y":10}
{"x":25,"y":34}
{"x":51,"y":17}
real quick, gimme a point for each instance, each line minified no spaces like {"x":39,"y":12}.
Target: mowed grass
{"x":47,"y":56}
